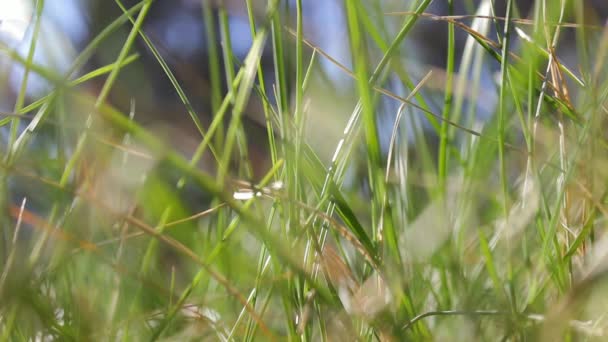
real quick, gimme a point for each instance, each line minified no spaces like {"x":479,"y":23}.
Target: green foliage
{"x":464,"y":230}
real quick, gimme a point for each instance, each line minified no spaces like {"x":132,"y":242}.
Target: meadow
{"x":407,"y":202}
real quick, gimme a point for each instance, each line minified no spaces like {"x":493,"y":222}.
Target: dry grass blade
{"x":167,"y":225}
{"x":491,"y":17}
{"x":401,"y":99}
{"x":491,"y":43}
{"x":181,"y":248}
{"x":384,"y":91}
{"x":58,"y":233}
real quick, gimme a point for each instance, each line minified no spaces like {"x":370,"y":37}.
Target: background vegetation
{"x":477,"y":213}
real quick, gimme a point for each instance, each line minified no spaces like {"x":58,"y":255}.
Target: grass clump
{"x":476,"y":213}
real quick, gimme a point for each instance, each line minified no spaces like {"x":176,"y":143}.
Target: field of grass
{"x":458,"y":229}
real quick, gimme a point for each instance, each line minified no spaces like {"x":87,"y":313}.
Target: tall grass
{"x":463,"y":228}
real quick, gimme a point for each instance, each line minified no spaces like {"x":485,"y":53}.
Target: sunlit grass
{"x":463,"y":228}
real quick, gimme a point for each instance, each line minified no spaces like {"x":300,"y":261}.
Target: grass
{"x":463,"y":228}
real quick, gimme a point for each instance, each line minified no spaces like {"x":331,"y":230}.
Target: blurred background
{"x":185,"y":30}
